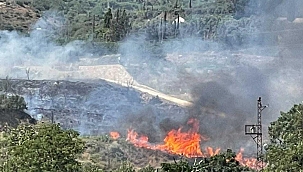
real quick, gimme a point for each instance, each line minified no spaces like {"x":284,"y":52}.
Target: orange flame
{"x":115,"y":135}
{"x":249,"y":162}
{"x":211,"y":151}
{"x":176,"y":142}
{"x":187,"y":144}
{"x":184,"y":143}
{"x":141,"y":141}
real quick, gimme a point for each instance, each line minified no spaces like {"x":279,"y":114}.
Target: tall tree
{"x":285,"y":151}
{"x":107,"y":18}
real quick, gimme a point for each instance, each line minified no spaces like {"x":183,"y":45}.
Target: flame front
{"x":176,"y":142}
{"x":186,"y":144}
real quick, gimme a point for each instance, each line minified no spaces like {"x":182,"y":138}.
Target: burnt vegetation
{"x":107,"y":24}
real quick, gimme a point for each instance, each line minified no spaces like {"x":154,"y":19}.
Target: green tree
{"x":285,"y":151}
{"x":42,"y":147}
{"x":107,"y":18}
{"x":119,"y":27}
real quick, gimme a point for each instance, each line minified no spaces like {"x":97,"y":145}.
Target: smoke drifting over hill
{"x":223,"y":83}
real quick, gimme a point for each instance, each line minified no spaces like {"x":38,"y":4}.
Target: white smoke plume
{"x":223,"y":83}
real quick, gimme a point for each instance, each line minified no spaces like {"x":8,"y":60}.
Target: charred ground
{"x":94,"y":107}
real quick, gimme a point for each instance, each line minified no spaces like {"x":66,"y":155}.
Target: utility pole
{"x":165,"y":21}
{"x":67,"y":30}
{"x":255,"y":131}
{"x":177,"y":22}
{"x":259,"y":136}
{"x":160,"y":32}
{"x":1,"y":21}
{"x":94,"y":20}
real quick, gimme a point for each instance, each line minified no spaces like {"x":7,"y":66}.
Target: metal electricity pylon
{"x":255,"y":131}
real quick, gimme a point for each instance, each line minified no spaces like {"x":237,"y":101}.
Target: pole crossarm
{"x":252,"y":130}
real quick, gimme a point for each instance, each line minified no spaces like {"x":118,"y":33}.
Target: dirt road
{"x":145,"y":89}
{"x":111,"y":73}
{"x":117,"y":74}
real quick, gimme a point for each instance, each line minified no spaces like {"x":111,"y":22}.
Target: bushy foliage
{"x":147,"y":169}
{"x":10,"y":101}
{"x":125,"y":167}
{"x":285,"y":151}
{"x":91,"y":168}
{"x":43,"y":147}
{"x":222,"y":162}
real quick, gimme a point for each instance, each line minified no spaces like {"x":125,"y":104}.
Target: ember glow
{"x":187,"y":144}
{"x":115,"y":135}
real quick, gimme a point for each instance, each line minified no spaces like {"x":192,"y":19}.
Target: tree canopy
{"x":113,"y":20}
{"x":285,"y":151}
{"x":42,"y":147}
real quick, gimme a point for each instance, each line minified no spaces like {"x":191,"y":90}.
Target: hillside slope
{"x":17,"y":17}
{"x":93,"y":108}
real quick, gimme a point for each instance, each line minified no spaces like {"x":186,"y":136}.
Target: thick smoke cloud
{"x":223,"y":84}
